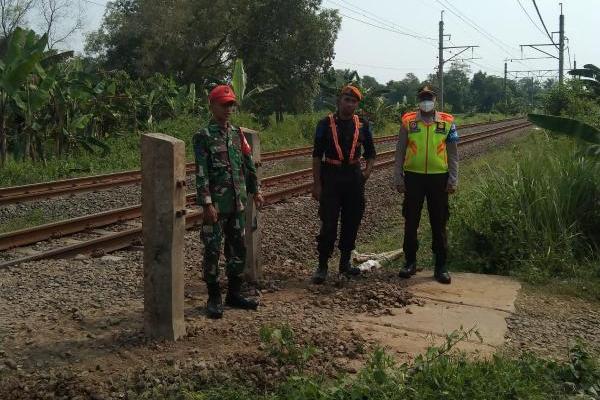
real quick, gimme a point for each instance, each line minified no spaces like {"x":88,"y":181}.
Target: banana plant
{"x":24,"y":53}
{"x":570,"y":127}
{"x":239,"y":82}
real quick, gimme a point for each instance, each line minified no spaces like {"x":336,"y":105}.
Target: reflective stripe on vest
{"x":336,"y":143}
{"x":426,"y":150}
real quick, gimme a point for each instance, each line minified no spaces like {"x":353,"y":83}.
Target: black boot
{"x":320,"y":275}
{"x":345,"y":267}
{"x":441,"y":274}
{"x":410,"y":268}
{"x":234,"y":296}
{"x":214,"y":305}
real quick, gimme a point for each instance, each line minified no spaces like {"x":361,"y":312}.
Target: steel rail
{"x":46,"y":190}
{"x":126,"y":238}
{"x":58,"y":229}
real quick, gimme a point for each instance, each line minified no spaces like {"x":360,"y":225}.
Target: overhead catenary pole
{"x":441,"y":60}
{"x":561,"y":46}
{"x":505,"y":77}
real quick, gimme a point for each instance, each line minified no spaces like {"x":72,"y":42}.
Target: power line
{"x":379,"y":26}
{"x":543,"y":23}
{"x":454,"y":10}
{"x":390,"y":23}
{"x":497,"y":42}
{"x":484,"y":66}
{"x":529,"y":16}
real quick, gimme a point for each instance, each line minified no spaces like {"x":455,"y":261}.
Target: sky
{"x":388,"y":38}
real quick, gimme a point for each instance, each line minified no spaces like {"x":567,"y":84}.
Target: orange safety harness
{"x":336,"y":143}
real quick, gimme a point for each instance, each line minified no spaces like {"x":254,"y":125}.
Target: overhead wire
{"x":493,"y":39}
{"x":394,"y":24}
{"x":543,"y":23}
{"x":531,"y":19}
{"x":381,"y":24}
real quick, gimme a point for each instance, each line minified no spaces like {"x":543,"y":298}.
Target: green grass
{"x":440,"y":373}
{"x":461,"y":119}
{"x":533,"y":212}
{"x":35,"y":217}
{"x":540,"y":226}
{"x":295,"y":131}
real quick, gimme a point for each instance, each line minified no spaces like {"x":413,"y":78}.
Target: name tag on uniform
{"x":412,"y":125}
{"x":440,"y":127}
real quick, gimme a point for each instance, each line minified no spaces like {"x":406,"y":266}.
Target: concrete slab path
{"x":472,"y":300}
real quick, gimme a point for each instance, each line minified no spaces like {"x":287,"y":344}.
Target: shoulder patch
{"x":246,"y":149}
{"x":446,"y":117}
{"x":408,"y":116}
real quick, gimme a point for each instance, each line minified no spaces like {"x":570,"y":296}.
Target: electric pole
{"x":441,"y":60}
{"x":505,"y":77}
{"x":561,"y":46}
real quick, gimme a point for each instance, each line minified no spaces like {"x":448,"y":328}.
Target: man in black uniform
{"x":339,"y":183}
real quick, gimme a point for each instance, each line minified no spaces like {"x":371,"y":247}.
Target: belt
{"x":333,"y":161}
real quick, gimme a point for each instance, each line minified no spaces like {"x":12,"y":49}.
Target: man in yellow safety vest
{"x":426,"y":168}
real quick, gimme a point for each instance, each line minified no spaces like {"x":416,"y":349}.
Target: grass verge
{"x":440,"y":373}
{"x":295,"y":131}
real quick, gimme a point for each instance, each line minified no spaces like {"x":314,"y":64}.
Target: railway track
{"x":110,"y":241}
{"x":46,"y":190}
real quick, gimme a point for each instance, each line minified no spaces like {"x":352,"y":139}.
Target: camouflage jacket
{"x":225,"y":173}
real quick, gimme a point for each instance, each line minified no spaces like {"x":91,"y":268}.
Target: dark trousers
{"x":342,"y":195}
{"x":418,"y":188}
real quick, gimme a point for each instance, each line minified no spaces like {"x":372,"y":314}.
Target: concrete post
{"x":163,"y":212}
{"x":253,"y":271}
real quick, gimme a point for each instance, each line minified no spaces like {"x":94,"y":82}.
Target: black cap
{"x":426,"y":89}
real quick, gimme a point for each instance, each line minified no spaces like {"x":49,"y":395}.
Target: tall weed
{"x":540,"y":215}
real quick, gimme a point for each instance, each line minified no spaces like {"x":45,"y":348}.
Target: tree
{"x":60,"y":19}
{"x":188,"y":39}
{"x":486,"y":90}
{"x":371,"y":83}
{"x":456,"y":87}
{"x":289,"y":44}
{"x":405,"y":89}
{"x":13,"y":13}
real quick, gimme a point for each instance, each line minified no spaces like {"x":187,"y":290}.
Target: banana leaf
{"x":238,"y":80}
{"x":566,"y":126}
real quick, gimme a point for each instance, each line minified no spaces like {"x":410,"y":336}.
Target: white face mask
{"x":427,"y":105}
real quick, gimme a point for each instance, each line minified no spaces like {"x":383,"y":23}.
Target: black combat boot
{"x":441,"y":273}
{"x":410,"y":268}
{"x":320,"y":275}
{"x":345,"y":267}
{"x":234,"y":297}
{"x":214,"y":305}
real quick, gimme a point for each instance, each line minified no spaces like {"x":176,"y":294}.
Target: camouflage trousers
{"x":232,"y":227}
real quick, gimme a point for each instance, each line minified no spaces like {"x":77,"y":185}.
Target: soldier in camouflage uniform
{"x":225,"y":176}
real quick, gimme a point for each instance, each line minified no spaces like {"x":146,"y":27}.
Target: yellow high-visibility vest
{"x":426,"y":149}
